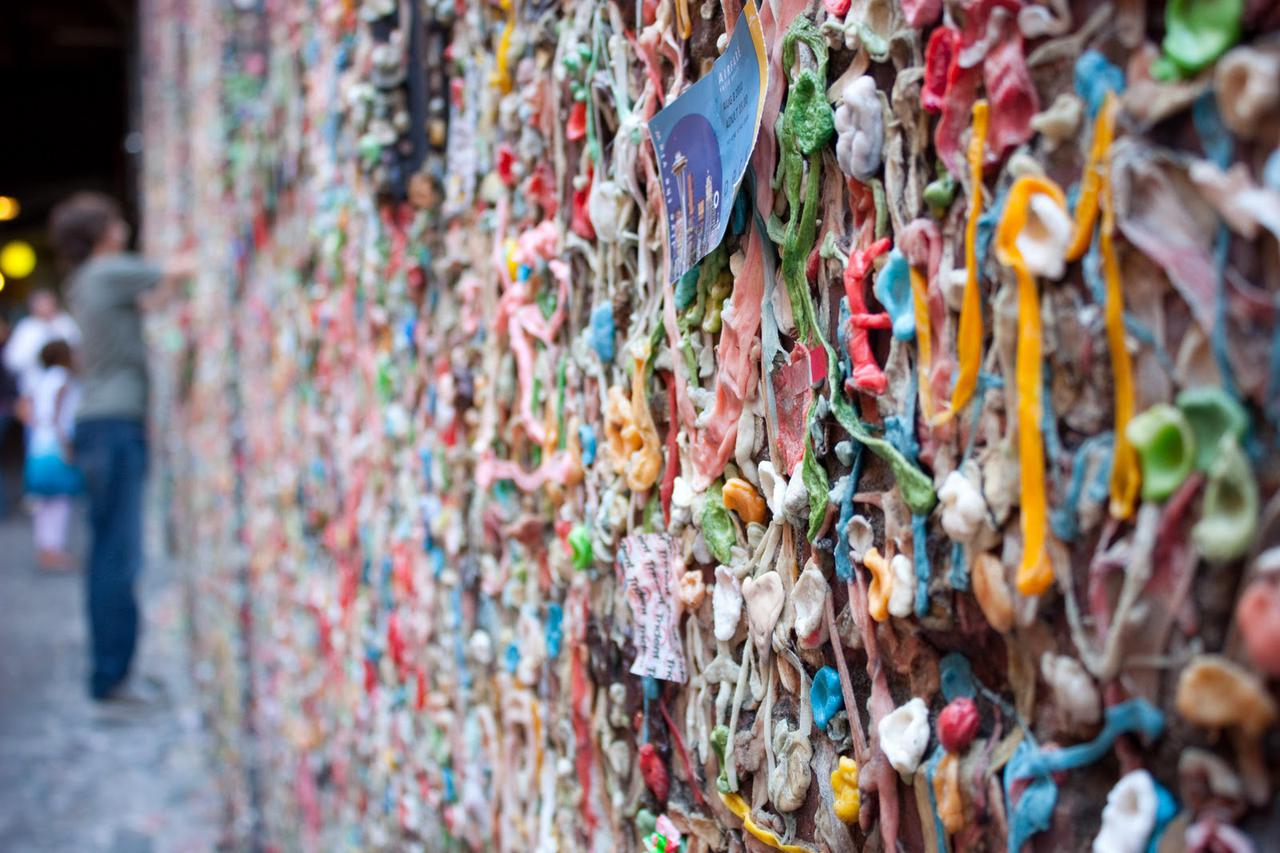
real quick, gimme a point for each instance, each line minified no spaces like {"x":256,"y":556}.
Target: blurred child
{"x":51,"y":479}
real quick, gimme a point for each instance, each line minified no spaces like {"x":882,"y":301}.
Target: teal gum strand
{"x":956,"y":677}
{"x":1034,"y":808}
{"x":1064,"y":518}
{"x":930,"y":770}
{"x":959,"y":574}
{"x":919,"y":543}
{"x":845,"y":488}
{"x":1094,"y":76}
{"x":1166,"y":810}
{"x":893,"y":289}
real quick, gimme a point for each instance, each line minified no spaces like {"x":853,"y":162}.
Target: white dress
{"x":50,"y":427}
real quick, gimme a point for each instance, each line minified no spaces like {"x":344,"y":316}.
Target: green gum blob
{"x":1229,"y":515}
{"x":580,"y":547}
{"x":1166,"y":449}
{"x":717,"y":526}
{"x":940,"y":192}
{"x":719,"y":742}
{"x":1213,"y":414}
{"x":719,"y":293}
{"x":1197,"y":32}
{"x":646,"y":822}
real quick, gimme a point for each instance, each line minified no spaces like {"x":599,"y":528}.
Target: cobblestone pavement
{"x":71,"y":780}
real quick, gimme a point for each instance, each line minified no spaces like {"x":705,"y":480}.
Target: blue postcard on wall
{"x":704,"y":139}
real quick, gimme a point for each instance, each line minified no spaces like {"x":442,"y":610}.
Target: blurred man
{"x":106,"y":289}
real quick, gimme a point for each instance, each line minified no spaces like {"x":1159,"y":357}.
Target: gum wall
{"x":934,"y":509}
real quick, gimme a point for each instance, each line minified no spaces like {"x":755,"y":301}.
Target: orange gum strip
{"x":1035,"y":573}
{"x":969,"y":337}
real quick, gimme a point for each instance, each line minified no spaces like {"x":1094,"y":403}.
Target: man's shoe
{"x":133,"y":695}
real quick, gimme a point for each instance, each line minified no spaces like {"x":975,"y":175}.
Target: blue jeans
{"x":112,"y":453}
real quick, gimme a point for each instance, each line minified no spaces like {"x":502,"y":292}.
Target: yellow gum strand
{"x":683,"y":21}
{"x":1126,"y":476}
{"x":1035,"y":573}
{"x":502,"y":73}
{"x":1095,"y":175}
{"x":739,"y":807}
{"x":924,"y":342}
{"x":969,"y":335}
{"x":1095,"y":194}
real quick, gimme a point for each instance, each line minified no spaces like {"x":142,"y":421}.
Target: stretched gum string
{"x":969,"y":337}
{"x":924,"y":341}
{"x":1125,"y":474}
{"x":1095,"y":194}
{"x":1035,"y":573}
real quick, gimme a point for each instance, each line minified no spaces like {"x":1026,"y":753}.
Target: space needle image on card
{"x":692,"y":158}
{"x":703,"y":141}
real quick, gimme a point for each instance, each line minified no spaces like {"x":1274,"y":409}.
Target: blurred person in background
{"x":106,"y":291}
{"x":8,"y":411}
{"x":46,"y":321}
{"x":49,"y":478}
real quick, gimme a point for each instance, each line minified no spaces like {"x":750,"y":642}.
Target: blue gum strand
{"x":893,"y":288}
{"x":923,"y":569}
{"x":1166,"y":810}
{"x":844,"y":561}
{"x":956,"y":677}
{"x":1094,"y":76}
{"x":1035,"y":807}
{"x":1064,"y":518}
{"x":930,"y":769}
{"x":555,"y":631}
{"x":959,"y":575}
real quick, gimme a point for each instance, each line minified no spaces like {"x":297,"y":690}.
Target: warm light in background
{"x":1,"y":282}
{"x":17,"y":259}
{"x":9,"y":208}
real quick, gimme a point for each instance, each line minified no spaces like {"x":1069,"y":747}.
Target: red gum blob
{"x":1012,"y":96}
{"x":867,"y":375}
{"x":921,"y":13}
{"x":1258,"y":615}
{"x":581,"y":222}
{"x":958,"y":725}
{"x":839,"y":8}
{"x":939,"y":59}
{"x":654,"y":772}
{"x":541,"y":188}
{"x":577,"y":127}
{"x":506,"y":160}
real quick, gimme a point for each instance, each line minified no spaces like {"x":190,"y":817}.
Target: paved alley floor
{"x":70,"y":780}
